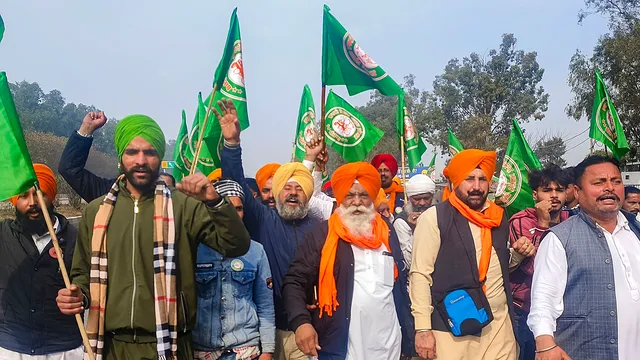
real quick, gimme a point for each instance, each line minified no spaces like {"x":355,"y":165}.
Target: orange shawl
{"x":327,"y":291}
{"x":489,"y":219}
{"x":391,"y":192}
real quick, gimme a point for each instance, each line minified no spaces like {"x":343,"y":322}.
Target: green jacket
{"x":130,"y":295}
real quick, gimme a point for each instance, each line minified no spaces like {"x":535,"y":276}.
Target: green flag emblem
{"x":347,"y":131}
{"x":1,"y":28}
{"x":513,"y":191}
{"x":16,"y":172}
{"x":344,"y":62}
{"x":413,"y":144}
{"x":454,"y":144}
{"x":605,"y":125}
{"x":306,"y":128}
{"x":183,"y":164}
{"x":431,"y":170}
{"x":208,"y":160}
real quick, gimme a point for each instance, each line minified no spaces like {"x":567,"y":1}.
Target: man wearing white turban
{"x":419,"y":189}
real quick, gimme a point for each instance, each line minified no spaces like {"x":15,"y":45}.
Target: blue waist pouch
{"x":466,"y":311}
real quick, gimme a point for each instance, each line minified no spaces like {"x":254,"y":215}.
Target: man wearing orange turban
{"x":25,"y":289}
{"x":460,"y":256}
{"x":355,"y":263}
{"x":264,"y":179}
{"x":387,"y":166}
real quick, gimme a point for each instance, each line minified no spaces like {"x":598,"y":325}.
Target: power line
{"x":575,"y":136}
{"x":575,"y":146}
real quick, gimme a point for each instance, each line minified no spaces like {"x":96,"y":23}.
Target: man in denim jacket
{"x":236,"y":317}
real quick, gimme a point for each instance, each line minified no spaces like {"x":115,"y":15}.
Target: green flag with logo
{"x":605,"y":125}
{"x":431,"y":169}
{"x":1,"y":28}
{"x":183,"y":164}
{"x":513,"y":191}
{"x":454,"y":144}
{"x":347,"y":131}
{"x":413,"y":144}
{"x":229,"y":84}
{"x":345,"y":63}
{"x":208,"y":160}
{"x":306,"y":128}
{"x":16,"y":171}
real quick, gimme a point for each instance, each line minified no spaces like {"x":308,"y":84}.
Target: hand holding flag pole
{"x":63,"y":268}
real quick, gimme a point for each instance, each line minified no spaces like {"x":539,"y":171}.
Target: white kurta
{"x":374,"y":330}
{"x":550,"y":282}
{"x":75,"y":354}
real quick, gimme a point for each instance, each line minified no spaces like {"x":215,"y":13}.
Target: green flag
{"x":183,"y":164}
{"x":605,"y":125}
{"x":347,"y":131}
{"x":431,"y":170}
{"x":1,"y":28}
{"x":306,"y":128}
{"x":16,"y":172}
{"x":413,"y":144}
{"x":229,"y":84}
{"x":454,"y":144}
{"x":208,"y":160}
{"x":345,"y":63}
{"x":513,"y":191}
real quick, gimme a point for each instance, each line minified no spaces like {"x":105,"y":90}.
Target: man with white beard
{"x":419,"y":189}
{"x":355,"y":263}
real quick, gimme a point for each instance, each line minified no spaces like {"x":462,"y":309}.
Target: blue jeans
{"x":525,"y":338}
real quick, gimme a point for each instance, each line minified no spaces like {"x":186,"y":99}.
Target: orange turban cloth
{"x":292,"y":171}
{"x":215,"y":175}
{"x":47,"y":181}
{"x":343,"y":178}
{"x":382,"y":197}
{"x":265,"y":173}
{"x":464,"y":162}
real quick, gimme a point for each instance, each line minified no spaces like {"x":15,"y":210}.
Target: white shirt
{"x":42,"y":241}
{"x":550,"y":281}
{"x":320,"y":205}
{"x":75,"y":354}
{"x":405,"y":237}
{"x":374,"y":330}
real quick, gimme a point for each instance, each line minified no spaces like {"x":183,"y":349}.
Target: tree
{"x":550,"y":151}
{"x":616,"y":54}
{"x":477,"y":97}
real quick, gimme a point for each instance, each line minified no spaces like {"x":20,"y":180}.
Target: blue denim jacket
{"x":235,"y":301}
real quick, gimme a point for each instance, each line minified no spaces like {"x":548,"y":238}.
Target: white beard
{"x":361,"y":224}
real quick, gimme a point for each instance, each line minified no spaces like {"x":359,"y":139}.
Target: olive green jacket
{"x":130,"y":295}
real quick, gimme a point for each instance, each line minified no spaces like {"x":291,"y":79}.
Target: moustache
{"x":475,"y":193}
{"x":145,"y":169}
{"x":609,"y":196}
{"x":292,"y":198}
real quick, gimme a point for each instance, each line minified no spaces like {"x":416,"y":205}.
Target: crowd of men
{"x":282,"y":266}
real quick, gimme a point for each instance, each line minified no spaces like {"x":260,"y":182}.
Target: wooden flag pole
{"x":323,"y":100}
{"x":196,"y":156}
{"x":63,"y":268}
{"x":403,"y":169}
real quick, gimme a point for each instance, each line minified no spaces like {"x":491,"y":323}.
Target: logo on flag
{"x":309,"y":122}
{"x":453,"y":151}
{"x":360,"y":59}
{"x":605,"y":122}
{"x":206,"y":161}
{"x":409,"y":130}
{"x":510,"y":182}
{"x":233,"y":85}
{"x":344,"y":128}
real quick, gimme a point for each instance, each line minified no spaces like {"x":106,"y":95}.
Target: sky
{"x":153,"y":57}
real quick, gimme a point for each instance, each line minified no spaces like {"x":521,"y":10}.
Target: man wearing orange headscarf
{"x":387,"y":166}
{"x":264,"y":179}
{"x":460,"y":256}
{"x":354,"y":262}
{"x":30,"y":274}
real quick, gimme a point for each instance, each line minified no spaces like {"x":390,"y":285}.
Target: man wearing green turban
{"x":144,"y":235}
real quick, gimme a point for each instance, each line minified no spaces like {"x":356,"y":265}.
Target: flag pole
{"x":196,"y":156}
{"x":403,"y":164}
{"x":63,"y":268}
{"x":322,"y":110}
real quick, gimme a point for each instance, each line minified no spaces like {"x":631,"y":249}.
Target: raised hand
{"x":199,"y":187}
{"x":543,"y":209}
{"x":93,"y":121}
{"x":313,"y":148}
{"x":228,"y":119}
{"x":524,"y":246}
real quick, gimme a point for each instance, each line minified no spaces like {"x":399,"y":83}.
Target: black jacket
{"x":333,"y":331}
{"x":72,"y":162}
{"x":30,"y":321}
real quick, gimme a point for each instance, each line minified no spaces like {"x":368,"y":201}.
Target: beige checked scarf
{"x":164,"y":281}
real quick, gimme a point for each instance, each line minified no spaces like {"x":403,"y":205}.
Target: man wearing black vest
{"x":459,"y":277}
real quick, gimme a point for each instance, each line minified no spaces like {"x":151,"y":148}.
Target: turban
{"x":215,"y":175}
{"x":228,"y":188}
{"x":466,"y":161}
{"x":386,"y":159}
{"x":265,"y":173}
{"x":419,"y":184}
{"x":381,"y":198}
{"x":345,"y":176}
{"x":293,"y":171}
{"x":46,"y":180}
{"x":139,"y":125}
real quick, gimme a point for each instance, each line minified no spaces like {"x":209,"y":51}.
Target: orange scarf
{"x":490,"y":218}
{"x":327,"y":291}
{"x":391,"y":191}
